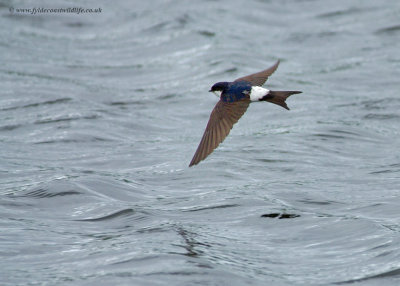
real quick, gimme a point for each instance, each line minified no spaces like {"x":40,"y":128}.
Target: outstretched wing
{"x":222,"y":118}
{"x":261,"y":77}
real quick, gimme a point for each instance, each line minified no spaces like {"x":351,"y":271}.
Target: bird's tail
{"x":279,"y":97}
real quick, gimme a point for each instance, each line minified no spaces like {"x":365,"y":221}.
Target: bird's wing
{"x":222,"y":118}
{"x":261,"y":77}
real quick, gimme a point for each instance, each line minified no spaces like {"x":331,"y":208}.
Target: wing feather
{"x":222,"y":118}
{"x":261,"y":77}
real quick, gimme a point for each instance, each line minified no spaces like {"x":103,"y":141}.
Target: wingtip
{"x":193,"y":162}
{"x":275,"y":66}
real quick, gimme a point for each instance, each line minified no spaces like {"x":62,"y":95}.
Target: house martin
{"x":235,"y":98}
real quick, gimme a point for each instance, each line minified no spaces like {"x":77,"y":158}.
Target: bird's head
{"x":218,"y":88}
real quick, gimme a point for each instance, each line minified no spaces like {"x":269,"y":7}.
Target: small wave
{"x":388,"y":30}
{"x":392,"y":168}
{"x":44,"y":193}
{"x":196,"y":209}
{"x":385,"y":274}
{"x":126,"y":103}
{"x":122,"y":213}
{"x":321,"y":203}
{"x":339,"y":134}
{"x":338,"y":13}
{"x":62,"y":119}
{"x":379,"y":104}
{"x":206,"y":33}
{"x":381,"y":116}
{"x":9,"y":127}
{"x":79,"y":139}
{"x":36,"y":104}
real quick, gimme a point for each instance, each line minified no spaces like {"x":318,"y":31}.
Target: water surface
{"x":100,"y":115}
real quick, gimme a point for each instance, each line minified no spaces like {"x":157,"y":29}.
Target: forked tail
{"x":279,"y":97}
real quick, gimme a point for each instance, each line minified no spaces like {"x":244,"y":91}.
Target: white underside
{"x":217,"y":93}
{"x":258,"y":92}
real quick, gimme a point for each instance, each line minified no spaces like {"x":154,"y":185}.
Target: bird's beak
{"x":210,"y":90}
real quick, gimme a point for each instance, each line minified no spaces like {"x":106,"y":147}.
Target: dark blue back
{"x":236,"y":91}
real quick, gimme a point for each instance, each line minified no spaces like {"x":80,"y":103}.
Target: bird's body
{"x":233,"y":91}
{"x":235,"y":98}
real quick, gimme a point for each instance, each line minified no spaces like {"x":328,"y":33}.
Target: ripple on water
{"x":100,"y":115}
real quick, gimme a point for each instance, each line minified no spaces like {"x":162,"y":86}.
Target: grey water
{"x":101,"y":113}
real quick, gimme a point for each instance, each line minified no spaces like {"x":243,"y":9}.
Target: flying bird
{"x":235,"y":98}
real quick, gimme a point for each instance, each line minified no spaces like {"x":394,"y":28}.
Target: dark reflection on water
{"x":280,"y":215}
{"x":101,"y":114}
